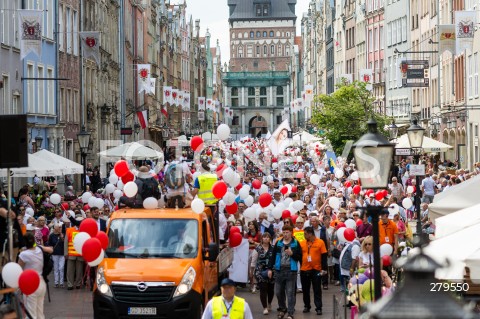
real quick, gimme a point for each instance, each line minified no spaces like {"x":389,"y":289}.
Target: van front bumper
{"x":185,"y":306}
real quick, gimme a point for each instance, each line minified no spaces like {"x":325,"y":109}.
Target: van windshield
{"x":153,"y":238}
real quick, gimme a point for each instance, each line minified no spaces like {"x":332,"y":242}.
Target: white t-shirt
{"x":33,"y":259}
{"x":355,"y":252}
{"x":364,"y":258}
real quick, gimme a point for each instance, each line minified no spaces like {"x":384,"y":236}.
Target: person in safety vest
{"x":74,"y":259}
{"x":227,"y":305}
{"x":203,"y":185}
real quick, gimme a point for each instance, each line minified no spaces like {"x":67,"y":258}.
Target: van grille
{"x":152,"y":295}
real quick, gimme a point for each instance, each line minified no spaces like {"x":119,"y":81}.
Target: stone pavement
{"x":75,"y":304}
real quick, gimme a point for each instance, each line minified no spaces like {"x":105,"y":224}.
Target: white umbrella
{"x":429,"y":144}
{"x":36,"y":166}
{"x":61,"y":164}
{"x":132,"y":151}
{"x":452,"y":223}
{"x":306,"y":137}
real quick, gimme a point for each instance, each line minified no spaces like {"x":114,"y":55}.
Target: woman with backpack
{"x":56,"y":240}
{"x":32,"y":258}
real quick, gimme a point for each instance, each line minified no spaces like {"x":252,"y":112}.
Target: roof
{"x":245,"y":9}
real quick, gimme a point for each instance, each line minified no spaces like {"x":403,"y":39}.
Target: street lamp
{"x":393,"y":130}
{"x":415,"y":136}
{"x":373,"y":157}
{"x":84,"y":140}
{"x":116,"y":124}
{"x":136,"y":129}
{"x":38,"y":142}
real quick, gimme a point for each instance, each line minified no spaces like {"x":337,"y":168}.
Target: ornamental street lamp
{"x":393,"y":130}
{"x":415,"y":136}
{"x":38,"y":142}
{"x":84,"y":140}
{"x":373,"y":156}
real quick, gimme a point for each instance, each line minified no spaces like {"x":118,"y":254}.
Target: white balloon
{"x":277,"y":212}
{"x":350,"y":223}
{"x":249,"y":214}
{"x":393,"y":209}
{"x":247,"y":187}
{"x":274,"y":165}
{"x":223,"y":131}
{"x":92,"y":201}
{"x":97,"y":261}
{"x":263,"y":189}
{"x":243,"y":192}
{"x":55,"y":199}
{"x":298,"y":204}
{"x":340,"y":236}
{"x":229,"y":198}
{"x":354,"y":176}
{"x":410,"y":189}
{"x":314,"y":179}
{"x":292,"y":208}
{"x":117,"y":193}
{"x":269,"y":178}
{"x":228,"y":175}
{"x":287,"y":201}
{"x":130,"y":189}
{"x":386,"y":250}
{"x":10,"y":274}
{"x":407,"y":203}
{"x":236,"y":180}
{"x":248,"y":201}
{"x":29,"y":211}
{"x":79,"y":240}
{"x":85,"y":197}
{"x":281,"y":206}
{"x":113,"y":179}
{"x":338,"y":173}
{"x":198,"y":206}
{"x":99,"y":202}
{"x":150,"y":203}
{"x":110,"y":188}
{"x":120,"y":185}
{"x":334,"y":202}
{"x":219,"y":161}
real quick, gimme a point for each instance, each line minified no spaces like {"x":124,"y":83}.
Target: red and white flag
{"x":180,"y":98}
{"x":90,"y":41}
{"x":30,"y":32}
{"x":164,"y":110}
{"x":143,"y":118}
{"x":366,"y":76}
{"x":153,"y":81}
{"x":201,"y":103}
{"x":143,"y":71}
{"x":167,"y":95}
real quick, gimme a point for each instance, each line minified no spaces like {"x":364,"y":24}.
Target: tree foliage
{"x":343,"y":115}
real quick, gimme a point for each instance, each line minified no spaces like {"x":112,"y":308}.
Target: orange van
{"x":159,"y":263}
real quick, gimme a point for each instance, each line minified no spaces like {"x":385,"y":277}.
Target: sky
{"x":213,"y":14}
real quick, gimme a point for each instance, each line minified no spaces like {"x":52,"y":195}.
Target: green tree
{"x":343,"y":115}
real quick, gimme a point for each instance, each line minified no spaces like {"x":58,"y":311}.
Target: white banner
{"x":174,"y":99}
{"x":210,"y":105}
{"x":238,"y":272}
{"x":308,"y":92}
{"x":201,"y":115}
{"x":201,"y":103}
{"x":465,"y":24}
{"x":30,"y":30}
{"x":167,"y":95}
{"x":366,"y":76}
{"x":278,"y":141}
{"x":143,"y":72}
{"x":90,"y":42}
{"x":186,"y":101}
{"x":180,"y":98}
{"x":446,"y":38}
{"x":153,"y":82}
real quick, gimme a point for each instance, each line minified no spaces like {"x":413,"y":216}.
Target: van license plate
{"x":142,"y":311}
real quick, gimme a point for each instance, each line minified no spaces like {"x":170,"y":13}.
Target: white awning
{"x":132,"y":151}
{"x":429,"y":144}
{"x":61,"y":164}
{"x":36,"y":166}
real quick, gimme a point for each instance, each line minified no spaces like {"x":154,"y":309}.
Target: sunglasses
{"x":368,"y":244}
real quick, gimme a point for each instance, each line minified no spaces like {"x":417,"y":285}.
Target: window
{"x":75,"y":112}
{"x":61,"y":109}
{"x":251,"y":91}
{"x":245,"y":35}
{"x":475,"y":73}
{"x":5,"y":23}
{"x":252,"y":34}
{"x":69,"y":30}
{"x":272,"y":49}
{"x":404,"y":29}
{"x":233,"y":35}
{"x":31,"y":89}
{"x":240,"y":51}
{"x":5,"y":94}
{"x":370,"y":40}
{"x":50,"y":91}
{"x":265,"y":10}
{"x":279,"y":90}
{"x":258,"y":10}
{"x":61,"y":28}
{"x":394,"y":32}
{"x":399,"y":30}
{"x":263,"y":96}
{"x":249,"y":51}
{"x":258,"y":34}
{"x":381,"y":37}
{"x":235,"y":91}
{"x":41,"y":90}
{"x":280,"y":51}
{"x":75,"y":32}
{"x":264,"y":50}
{"x":287,"y":50}
{"x":389,"y":34}
{"x":258,"y":50}
{"x":271,"y":34}
{"x":375,"y":39}
{"x":49,"y":20}
{"x":264,"y":34}
{"x":68,"y":99}
{"x":263,"y":91}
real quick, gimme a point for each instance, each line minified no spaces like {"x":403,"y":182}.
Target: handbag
{"x":336,"y":253}
{"x":264,"y":274}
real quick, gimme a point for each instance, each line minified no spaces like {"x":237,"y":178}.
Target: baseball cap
{"x":227,"y":282}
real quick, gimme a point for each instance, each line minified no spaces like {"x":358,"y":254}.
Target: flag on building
{"x":210,"y":105}
{"x":201,"y":103}
{"x":186,"y":101}
{"x":465,"y":24}
{"x":401,"y":68}
{"x":164,"y":110}
{"x":446,"y":38}
{"x":30,"y":30}
{"x":308,"y":92}
{"x":347,"y":77}
{"x":174,"y":98}
{"x":292,"y":107}
{"x":167,"y":95}
{"x":153,"y":82}
{"x":143,"y":118}
{"x":143,"y":71}
{"x":90,"y":42}
{"x":180,"y":98}
{"x":366,"y":76}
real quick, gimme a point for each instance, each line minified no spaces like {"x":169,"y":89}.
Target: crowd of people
{"x":287,"y":254}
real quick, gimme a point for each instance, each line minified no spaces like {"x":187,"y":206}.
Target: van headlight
{"x":186,"y":283}
{"x":102,"y":285}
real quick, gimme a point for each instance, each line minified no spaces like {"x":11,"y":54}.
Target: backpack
{"x":149,"y":188}
{"x":174,"y":178}
{"x":347,"y":259}
{"x":47,"y":264}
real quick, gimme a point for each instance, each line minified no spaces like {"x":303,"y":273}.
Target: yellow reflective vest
{"x":236,"y":312}
{"x":71,"y":233}
{"x":206,"y":182}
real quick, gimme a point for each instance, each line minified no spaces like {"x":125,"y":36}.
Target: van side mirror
{"x":212,"y":252}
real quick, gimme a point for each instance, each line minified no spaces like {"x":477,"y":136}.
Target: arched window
{"x":258,"y":50}
{"x":240,"y":51}
{"x":245,"y":35}
{"x":233,"y":35}
{"x":279,"y":90}
{"x":251,"y":34}
{"x":265,"y":50}
{"x":264,"y":34}
{"x":239,"y":35}
{"x":271,"y":34}
{"x":280,"y":51}
{"x":258,"y":34}
{"x":272,"y":49}
{"x":234,"y":91}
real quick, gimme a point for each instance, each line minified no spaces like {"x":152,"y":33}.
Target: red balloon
{"x":234,"y":229}
{"x":91,"y":249}
{"x":356,"y":189}
{"x":121,"y":168}
{"x":219,"y":189}
{"x":86,"y":207}
{"x":294,"y":189}
{"x":265,"y":199}
{"x":239,"y":187}
{"x":235,"y":239}
{"x":286,"y":213}
{"x":128,"y":177}
{"x":414,"y":189}
{"x":385,"y":193}
{"x":379,"y":195}
{"x":196,"y":143}
{"x":368,"y":192}
{"x":29,"y":281}
{"x":340,"y":225}
{"x":256,"y":184}
{"x":89,"y":226}
{"x":349,"y":234}
{"x":300,"y":175}
{"x":103,"y":239}
{"x":359,"y":222}
{"x":65,"y":206}
{"x":347,"y":184}
{"x":220,"y":169}
{"x":284,"y":190}
{"x":386,"y":260}
{"x":232,"y":209}
{"x":294,"y":218}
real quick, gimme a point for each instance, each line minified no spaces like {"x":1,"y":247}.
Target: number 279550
{"x":444,"y":286}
